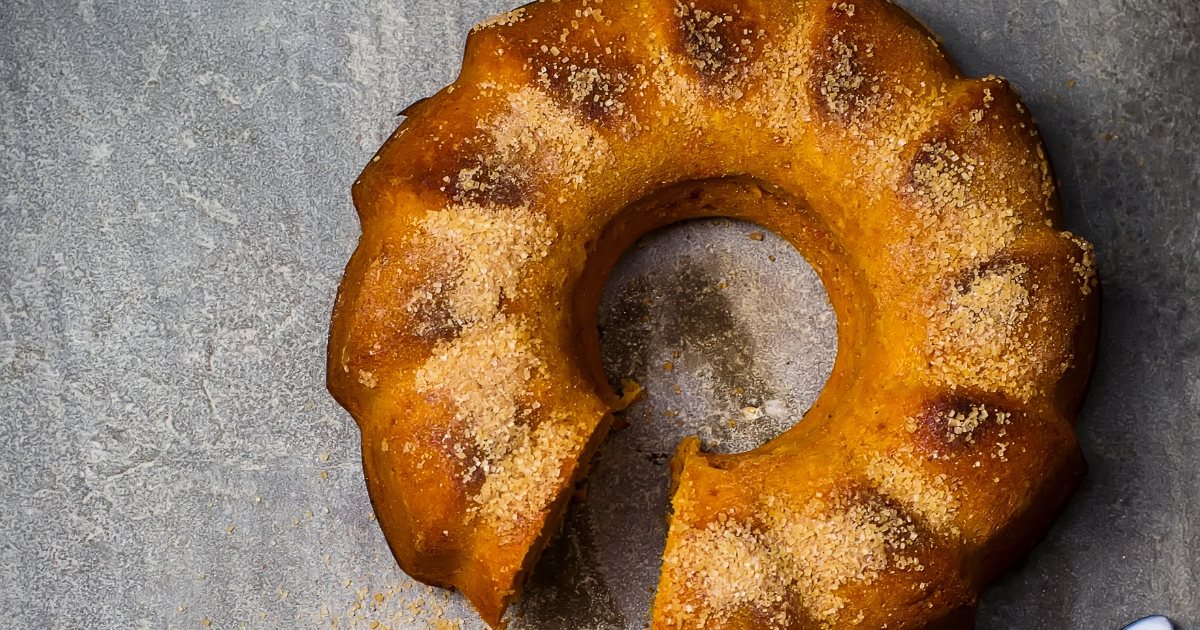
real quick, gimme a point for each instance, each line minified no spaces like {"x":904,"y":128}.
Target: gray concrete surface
{"x":174,"y":218}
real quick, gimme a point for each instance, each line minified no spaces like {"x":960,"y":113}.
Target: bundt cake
{"x":464,"y":343}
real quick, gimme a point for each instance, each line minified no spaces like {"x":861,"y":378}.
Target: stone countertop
{"x":175,"y":217}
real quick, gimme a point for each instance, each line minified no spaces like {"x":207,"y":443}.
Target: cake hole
{"x":731,"y":333}
{"x":727,"y":328}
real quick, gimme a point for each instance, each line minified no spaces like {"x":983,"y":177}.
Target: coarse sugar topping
{"x":593,"y":78}
{"x":532,"y":141}
{"x":720,"y":47}
{"x":842,"y":81}
{"x":538,"y":138}
{"x":525,"y":480}
{"x":487,"y":373}
{"x":782,"y":102}
{"x":1085,"y":265}
{"x":961,"y":226}
{"x":482,"y":249}
{"x":487,"y":370}
{"x":974,"y":334}
{"x":785,"y":558}
{"x":702,"y":41}
{"x":594,"y":87}
{"x":681,"y":99}
{"x":899,"y":476}
{"x":961,"y":425}
{"x":718,"y":60}
{"x":504,"y":19}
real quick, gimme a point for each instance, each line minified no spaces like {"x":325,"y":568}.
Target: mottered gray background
{"x":175,"y":216}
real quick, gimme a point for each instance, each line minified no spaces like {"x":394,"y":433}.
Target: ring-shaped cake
{"x":464,"y":343}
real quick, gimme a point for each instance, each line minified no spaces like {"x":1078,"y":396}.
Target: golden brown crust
{"x":463,"y":338}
